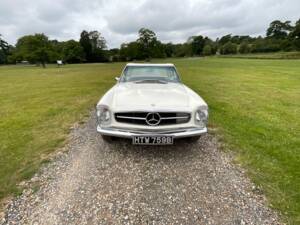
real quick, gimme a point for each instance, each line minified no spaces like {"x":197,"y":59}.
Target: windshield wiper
{"x":151,"y":81}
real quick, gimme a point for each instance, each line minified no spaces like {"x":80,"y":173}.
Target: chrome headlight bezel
{"x":201,"y":116}
{"x":103,"y":114}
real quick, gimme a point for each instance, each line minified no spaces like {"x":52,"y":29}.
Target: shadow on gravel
{"x":181,"y":148}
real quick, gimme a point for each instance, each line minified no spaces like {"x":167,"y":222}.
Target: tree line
{"x":92,"y":47}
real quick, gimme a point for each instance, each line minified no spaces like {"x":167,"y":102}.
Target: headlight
{"x":201,"y":116}
{"x":103,"y":115}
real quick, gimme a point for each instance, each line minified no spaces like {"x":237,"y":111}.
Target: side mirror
{"x":117,"y":78}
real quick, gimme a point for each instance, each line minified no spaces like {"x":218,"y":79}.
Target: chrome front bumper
{"x":179,"y":133}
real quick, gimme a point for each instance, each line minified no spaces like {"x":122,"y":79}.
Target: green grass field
{"x":276,"y":55}
{"x":255,"y":104}
{"x":37,"y":108}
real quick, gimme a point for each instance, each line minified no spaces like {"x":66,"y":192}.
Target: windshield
{"x":150,"y":74}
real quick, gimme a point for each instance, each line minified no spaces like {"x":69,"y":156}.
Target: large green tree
{"x":2,"y":57}
{"x":147,"y":46}
{"x":94,"y":46}
{"x":56,"y":48}
{"x":278,"y":29}
{"x":197,"y":44}
{"x":34,"y":48}
{"x":223,"y":40}
{"x":130,"y":51}
{"x":229,"y":48}
{"x":147,"y":42}
{"x":86,"y":44}
{"x":169,"y":49}
{"x":244,"y":47}
{"x":207,"y":50}
{"x":72,"y":52}
{"x":4,"y":50}
{"x":3,"y":44}
{"x":295,"y":35}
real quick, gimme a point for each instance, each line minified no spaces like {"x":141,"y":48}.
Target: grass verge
{"x":256,"y":104}
{"x":37,"y":108}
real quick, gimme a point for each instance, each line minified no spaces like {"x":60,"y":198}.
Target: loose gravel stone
{"x":93,"y":182}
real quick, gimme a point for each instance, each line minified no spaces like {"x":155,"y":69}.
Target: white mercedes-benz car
{"x":150,"y":105}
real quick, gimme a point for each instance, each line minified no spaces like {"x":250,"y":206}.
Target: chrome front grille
{"x":153,"y":118}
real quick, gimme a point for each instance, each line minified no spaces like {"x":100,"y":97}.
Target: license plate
{"x":152,"y":140}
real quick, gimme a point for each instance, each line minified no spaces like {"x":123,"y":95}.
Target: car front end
{"x":151,"y":112}
{"x":152,"y":123}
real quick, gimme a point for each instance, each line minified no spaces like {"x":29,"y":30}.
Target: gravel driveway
{"x":98,"y":183}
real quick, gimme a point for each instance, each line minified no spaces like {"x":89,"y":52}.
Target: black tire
{"x":194,"y":138}
{"x":107,"y":139}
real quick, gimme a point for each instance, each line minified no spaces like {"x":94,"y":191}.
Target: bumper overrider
{"x":176,"y":133}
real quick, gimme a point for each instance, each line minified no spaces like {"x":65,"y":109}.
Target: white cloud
{"x":119,"y":21}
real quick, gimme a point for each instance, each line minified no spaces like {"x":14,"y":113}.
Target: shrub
{"x":207,"y":50}
{"x":229,"y":48}
{"x":244,"y":48}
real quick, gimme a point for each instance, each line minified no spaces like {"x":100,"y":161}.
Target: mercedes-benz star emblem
{"x":153,"y":119}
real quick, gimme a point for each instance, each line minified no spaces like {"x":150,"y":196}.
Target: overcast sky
{"x":119,"y":20}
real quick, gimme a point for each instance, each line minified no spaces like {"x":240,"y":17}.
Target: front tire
{"x":194,"y":138}
{"x":107,"y":139}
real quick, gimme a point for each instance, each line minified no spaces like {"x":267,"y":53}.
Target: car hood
{"x":144,"y":95}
